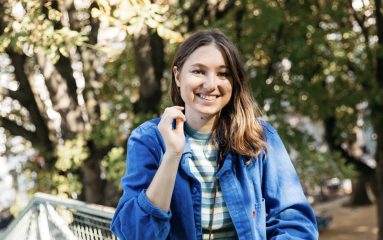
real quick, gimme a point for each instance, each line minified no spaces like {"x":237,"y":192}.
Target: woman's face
{"x":205,"y":82}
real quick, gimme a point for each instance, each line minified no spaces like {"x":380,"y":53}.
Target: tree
{"x":38,"y":48}
{"x":58,"y":42}
{"x":303,"y":59}
{"x":321,"y":60}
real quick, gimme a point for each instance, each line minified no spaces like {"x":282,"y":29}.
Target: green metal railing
{"x":50,"y":217}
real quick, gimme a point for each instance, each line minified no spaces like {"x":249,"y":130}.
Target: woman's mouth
{"x":207,"y":97}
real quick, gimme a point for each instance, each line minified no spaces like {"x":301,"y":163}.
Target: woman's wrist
{"x":173,"y":155}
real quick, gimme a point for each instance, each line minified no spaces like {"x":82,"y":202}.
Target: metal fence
{"x":48,"y":217}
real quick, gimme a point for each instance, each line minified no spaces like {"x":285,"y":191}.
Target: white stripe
{"x":211,"y":195}
{"x":205,"y":169}
{"x":203,"y":147}
{"x":207,"y":211}
{"x":220,"y":235}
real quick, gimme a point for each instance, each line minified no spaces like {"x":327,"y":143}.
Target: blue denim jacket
{"x":263,"y":195}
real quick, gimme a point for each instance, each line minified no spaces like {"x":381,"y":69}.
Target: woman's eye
{"x":223,"y":74}
{"x":198,"y":71}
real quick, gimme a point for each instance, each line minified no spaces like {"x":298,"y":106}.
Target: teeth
{"x":206,"y":97}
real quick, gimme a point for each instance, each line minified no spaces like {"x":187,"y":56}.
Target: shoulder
{"x":149,"y":125}
{"x":148,"y":129}
{"x":271,"y":136}
{"x":153,"y":123}
{"x":147,"y":135}
{"x":267,"y":128}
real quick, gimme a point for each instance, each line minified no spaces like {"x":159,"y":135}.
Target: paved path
{"x":356,"y":223}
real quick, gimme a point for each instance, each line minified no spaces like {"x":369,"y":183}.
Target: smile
{"x":207,"y":97}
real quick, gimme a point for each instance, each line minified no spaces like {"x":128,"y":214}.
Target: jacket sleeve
{"x":289,"y":215}
{"x":136,"y":217}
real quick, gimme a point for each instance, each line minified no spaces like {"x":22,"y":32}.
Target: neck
{"x":201,"y":123}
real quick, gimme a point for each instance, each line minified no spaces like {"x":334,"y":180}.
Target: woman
{"x":209,"y":168}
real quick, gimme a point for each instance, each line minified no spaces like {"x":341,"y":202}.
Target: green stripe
{"x":211,"y":158}
{"x":209,"y":202}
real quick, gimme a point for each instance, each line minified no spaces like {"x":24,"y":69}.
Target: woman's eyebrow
{"x":198,"y":65}
{"x":202,"y":65}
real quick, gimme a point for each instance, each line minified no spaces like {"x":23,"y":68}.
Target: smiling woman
{"x":221,"y":172}
{"x":205,"y":86}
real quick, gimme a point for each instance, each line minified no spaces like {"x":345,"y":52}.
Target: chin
{"x":208,"y":113}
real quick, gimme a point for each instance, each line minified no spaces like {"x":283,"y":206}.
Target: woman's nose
{"x":210,"y":82}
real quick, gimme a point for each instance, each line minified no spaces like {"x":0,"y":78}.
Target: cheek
{"x":228,"y":89}
{"x":185,"y":92}
{"x":188,"y":86}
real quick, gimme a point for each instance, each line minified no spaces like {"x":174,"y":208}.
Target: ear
{"x":176,"y":76}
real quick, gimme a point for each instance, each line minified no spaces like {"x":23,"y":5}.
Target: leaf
{"x":64,"y":51}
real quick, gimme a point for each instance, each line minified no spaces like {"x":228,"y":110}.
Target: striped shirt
{"x":203,"y":166}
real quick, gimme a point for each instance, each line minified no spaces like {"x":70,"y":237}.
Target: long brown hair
{"x":238,"y":128}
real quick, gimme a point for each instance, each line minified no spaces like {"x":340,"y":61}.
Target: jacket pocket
{"x":259,"y":216}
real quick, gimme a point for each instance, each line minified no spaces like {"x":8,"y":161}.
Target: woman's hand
{"x":161,"y":188}
{"x":174,"y":138}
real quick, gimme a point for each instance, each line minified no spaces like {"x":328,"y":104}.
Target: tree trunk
{"x":379,"y":175}
{"x":111,"y":194}
{"x":359,"y":193}
{"x":92,"y":184}
{"x":64,"y":100}
{"x":26,"y":98}
{"x":378,"y":116}
{"x":95,"y":188}
{"x":148,"y":49}
{"x":63,"y":92}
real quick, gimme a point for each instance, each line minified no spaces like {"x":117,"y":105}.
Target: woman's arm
{"x":290,"y":216}
{"x":143,"y":210}
{"x":161,"y":188}
{"x":135,"y":216}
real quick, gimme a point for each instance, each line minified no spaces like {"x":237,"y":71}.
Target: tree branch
{"x":64,"y":65}
{"x":17,"y":130}
{"x":90,"y":62}
{"x":150,"y":87}
{"x":364,"y":31}
{"x":191,"y":12}
{"x":27,"y":99}
{"x":238,"y":23}
{"x":91,"y":93}
{"x":2,"y":21}
{"x":64,"y":68}
{"x":330,"y":137}
{"x":379,"y":27}
{"x":278,"y":38}
{"x":220,"y":13}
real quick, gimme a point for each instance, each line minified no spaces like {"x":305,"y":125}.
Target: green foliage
{"x":55,"y":181}
{"x":32,"y":32}
{"x":68,"y":185}
{"x":114,"y":165}
{"x":306,"y":59}
{"x":313,"y":166}
{"x":311,"y":158}
{"x":62,"y":178}
{"x":132,"y":16}
{"x":71,"y":154}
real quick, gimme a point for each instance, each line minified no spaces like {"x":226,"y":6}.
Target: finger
{"x":180,"y":125}
{"x":171,"y":109}
{"x":167,"y":120}
{"x":177,"y":115}
{"x":173,"y":113}
{"x":179,"y":107}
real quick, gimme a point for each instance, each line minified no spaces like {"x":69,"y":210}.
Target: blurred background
{"x":76,"y":76}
